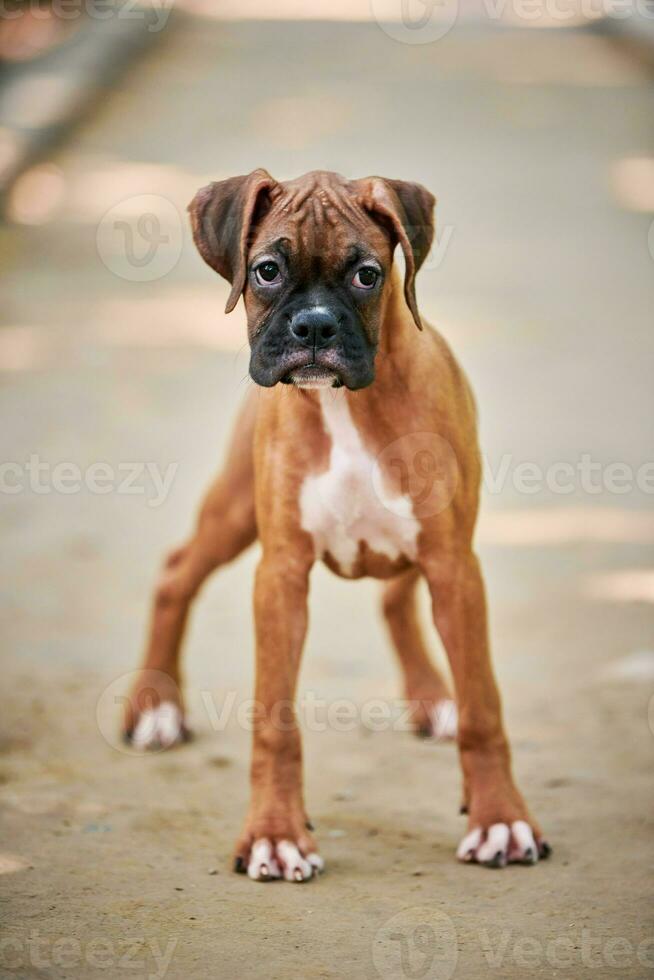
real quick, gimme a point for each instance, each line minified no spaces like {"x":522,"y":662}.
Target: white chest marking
{"x":342,"y":507}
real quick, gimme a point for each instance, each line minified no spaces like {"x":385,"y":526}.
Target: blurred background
{"x":533,"y":123}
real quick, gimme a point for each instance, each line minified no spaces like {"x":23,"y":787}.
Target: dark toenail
{"x":239,"y":865}
{"x":529,"y":857}
{"x":498,"y":861}
{"x":545,"y":850}
{"x":463,"y":808}
{"x":309,"y":825}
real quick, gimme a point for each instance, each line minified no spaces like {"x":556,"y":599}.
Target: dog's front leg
{"x":276,"y":841}
{"x":500,"y":828}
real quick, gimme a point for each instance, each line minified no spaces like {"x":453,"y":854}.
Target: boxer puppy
{"x":371,"y":465}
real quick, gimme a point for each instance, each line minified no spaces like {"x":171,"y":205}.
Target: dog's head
{"x":312,"y":258}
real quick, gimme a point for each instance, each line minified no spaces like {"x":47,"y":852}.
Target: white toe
{"x":466,"y":849}
{"x":523,"y":847}
{"x":495,"y":847}
{"x":444,"y":719}
{"x":263,"y":863}
{"x":296,"y":868}
{"x":159,"y":727}
{"x":316,"y":862}
{"x":169,"y":723}
{"x":144,"y":731}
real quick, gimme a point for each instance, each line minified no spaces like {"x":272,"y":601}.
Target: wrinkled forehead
{"x":320,"y":223}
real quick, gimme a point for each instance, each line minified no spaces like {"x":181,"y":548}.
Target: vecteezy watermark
{"x":154,"y":13}
{"x":562,"y":11}
{"x":439,"y":249}
{"x":417,"y":944}
{"x":415,"y":21}
{"x":140,"y":238}
{"x":585,"y":475}
{"x":39,"y":476}
{"x":426,"y":21}
{"x":137,"y":956}
{"x":417,"y":475}
{"x":140,"y":691}
{"x":581,"y":950}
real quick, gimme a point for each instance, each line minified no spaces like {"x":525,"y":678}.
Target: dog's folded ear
{"x":407,"y":210}
{"x":223,"y":215}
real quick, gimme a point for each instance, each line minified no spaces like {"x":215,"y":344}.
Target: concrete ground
{"x":537,"y":145}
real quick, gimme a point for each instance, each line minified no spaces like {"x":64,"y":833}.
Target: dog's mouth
{"x":310,"y":369}
{"x":313,"y":376}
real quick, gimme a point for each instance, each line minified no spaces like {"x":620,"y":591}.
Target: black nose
{"x":314,"y":328}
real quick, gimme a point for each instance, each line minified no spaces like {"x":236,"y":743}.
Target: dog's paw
{"x":501,"y":844}
{"x":444,"y":719}
{"x":268,"y":860}
{"x":153,"y":715}
{"x":435,"y":718}
{"x":158,"y":728}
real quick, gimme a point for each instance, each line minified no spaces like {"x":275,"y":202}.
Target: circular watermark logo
{"x":415,"y":21}
{"x":140,"y":238}
{"x":416,"y":475}
{"x":419,"y":943}
{"x":132,"y":698}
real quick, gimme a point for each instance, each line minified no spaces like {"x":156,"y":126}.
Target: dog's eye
{"x":366,"y":277}
{"x":268,"y":273}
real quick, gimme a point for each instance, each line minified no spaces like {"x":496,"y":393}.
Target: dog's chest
{"x":348,"y":513}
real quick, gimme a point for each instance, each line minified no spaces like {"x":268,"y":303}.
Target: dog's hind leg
{"x":226,"y":525}
{"x":433,"y":711}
